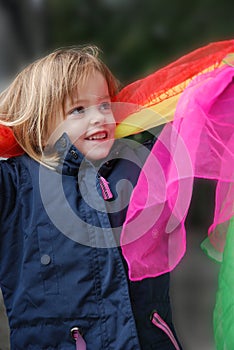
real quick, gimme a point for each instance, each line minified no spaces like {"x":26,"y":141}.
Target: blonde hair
{"x":30,"y":103}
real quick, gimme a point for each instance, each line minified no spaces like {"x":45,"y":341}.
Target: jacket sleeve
{"x":9,"y":182}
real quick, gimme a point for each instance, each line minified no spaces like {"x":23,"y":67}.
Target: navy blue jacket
{"x":60,"y":262}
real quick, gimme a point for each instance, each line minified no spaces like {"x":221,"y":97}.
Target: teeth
{"x":98,"y":136}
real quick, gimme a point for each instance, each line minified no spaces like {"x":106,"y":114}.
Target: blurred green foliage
{"x":138,"y":36}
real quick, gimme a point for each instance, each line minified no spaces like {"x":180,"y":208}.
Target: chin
{"x":99,"y":153}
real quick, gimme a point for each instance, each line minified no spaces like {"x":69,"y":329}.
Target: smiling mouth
{"x":98,"y":136}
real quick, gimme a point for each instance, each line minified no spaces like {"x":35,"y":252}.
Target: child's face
{"x":89,"y":121}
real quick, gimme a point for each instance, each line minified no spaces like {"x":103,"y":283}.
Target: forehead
{"x":93,"y":87}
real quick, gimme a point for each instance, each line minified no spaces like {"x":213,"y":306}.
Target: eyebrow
{"x":87,"y":100}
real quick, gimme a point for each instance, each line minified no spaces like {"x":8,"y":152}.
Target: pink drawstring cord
{"x":80,"y":343}
{"x":106,"y":192}
{"x":156,"y":320}
{"x":160,"y":323}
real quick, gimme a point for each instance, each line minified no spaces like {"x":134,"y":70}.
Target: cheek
{"x":74,"y":129}
{"x":113,"y":130}
{"x":112,"y":124}
{"x":112,"y":119}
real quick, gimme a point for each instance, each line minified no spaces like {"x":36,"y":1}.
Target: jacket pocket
{"x":48,"y":267}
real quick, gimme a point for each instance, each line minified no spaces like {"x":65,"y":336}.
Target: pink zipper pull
{"x":106,"y":192}
{"x":160,"y":323}
{"x":80,"y":343}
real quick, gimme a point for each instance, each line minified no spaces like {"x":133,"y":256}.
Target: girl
{"x":63,"y":203}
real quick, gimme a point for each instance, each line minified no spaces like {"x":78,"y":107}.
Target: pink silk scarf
{"x":198,"y":143}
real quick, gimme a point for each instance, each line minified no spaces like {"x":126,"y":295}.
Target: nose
{"x":96,"y":116}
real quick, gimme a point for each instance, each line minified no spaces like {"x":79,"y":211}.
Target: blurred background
{"x":136,"y":37}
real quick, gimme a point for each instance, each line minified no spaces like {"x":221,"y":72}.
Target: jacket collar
{"x":70,"y":158}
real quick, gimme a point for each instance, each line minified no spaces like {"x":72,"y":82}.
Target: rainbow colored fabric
{"x":195,"y":93}
{"x":157,"y":94}
{"x":199,"y":143}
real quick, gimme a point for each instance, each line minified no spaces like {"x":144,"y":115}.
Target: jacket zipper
{"x":160,"y":323}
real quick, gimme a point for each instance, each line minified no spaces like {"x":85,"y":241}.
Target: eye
{"x":77,"y":111}
{"x":105,"y":106}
